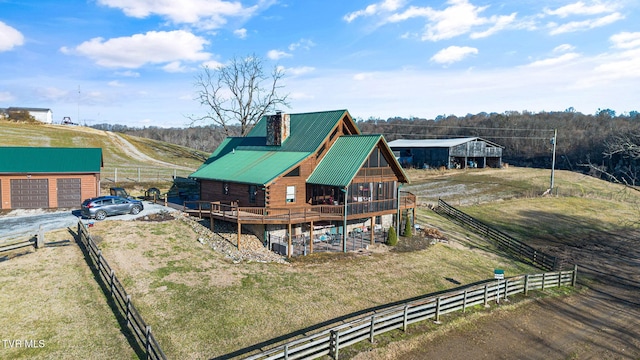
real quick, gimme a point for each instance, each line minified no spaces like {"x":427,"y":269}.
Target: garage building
{"x":48,"y":177}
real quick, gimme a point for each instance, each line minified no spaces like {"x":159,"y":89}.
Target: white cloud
{"x":459,"y":18}
{"x":305,"y":44}
{"x":554,"y":61}
{"x":115,"y":83}
{"x":453,"y":54}
{"x":9,"y":37}
{"x":574,"y":26}
{"x":297,"y":71}
{"x":363,"y":76}
{"x":207,"y":14}
{"x":580,"y":8}
{"x":6,"y":96}
{"x":154,"y":47}
{"x":626,"y":40}
{"x":240,"y":33}
{"x":625,"y":65}
{"x":375,"y":9}
{"x":212,"y":64}
{"x":128,"y":73}
{"x":500,"y":23}
{"x":52,"y":93}
{"x":175,"y":67}
{"x":563,"y":48}
{"x":277,"y":54}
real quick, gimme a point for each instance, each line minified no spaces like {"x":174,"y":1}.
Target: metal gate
{"x":69,"y":193}
{"x":29,"y":193}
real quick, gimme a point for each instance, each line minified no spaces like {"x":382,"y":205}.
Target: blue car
{"x":100,"y":207}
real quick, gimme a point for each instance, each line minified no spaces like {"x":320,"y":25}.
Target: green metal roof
{"x":342,"y":162}
{"x":250,"y":167}
{"x":50,"y":160}
{"x":244,"y":159}
{"x":307,"y":131}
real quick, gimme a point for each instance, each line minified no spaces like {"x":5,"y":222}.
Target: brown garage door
{"x":69,"y":193}
{"x":29,"y":193}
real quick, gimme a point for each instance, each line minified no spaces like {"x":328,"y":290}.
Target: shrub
{"x":392,"y":237}
{"x":407,"y":227}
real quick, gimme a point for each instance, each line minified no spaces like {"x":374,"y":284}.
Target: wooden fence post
{"x":559,"y":278}
{"x":372,"y":329}
{"x":128,"y":310}
{"x":575,"y":275}
{"x":438,"y":310}
{"x":148,"y":341}
{"x":334,"y":344}
{"x":112,"y":282}
{"x":544,"y":278}
{"x":464,"y":301}
{"x":526,"y":285}
{"x":486,"y":295}
{"x":286,"y":351}
{"x":40,"y":238}
{"x":506,"y":289}
{"x":404,"y":317}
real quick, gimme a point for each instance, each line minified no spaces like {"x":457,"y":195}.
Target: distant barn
{"x":40,"y":114}
{"x":468,"y":152}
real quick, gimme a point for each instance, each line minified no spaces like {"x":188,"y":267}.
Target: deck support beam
{"x":311,"y":237}
{"x":289,"y":248}
{"x":372,"y":238}
{"x":239,"y":233}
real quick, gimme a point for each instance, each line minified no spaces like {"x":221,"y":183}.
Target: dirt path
{"x":137,"y":154}
{"x":603,"y":322}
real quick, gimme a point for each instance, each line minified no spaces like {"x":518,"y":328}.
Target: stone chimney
{"x":278,"y":127}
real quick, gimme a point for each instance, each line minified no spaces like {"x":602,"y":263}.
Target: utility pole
{"x":553,"y":159}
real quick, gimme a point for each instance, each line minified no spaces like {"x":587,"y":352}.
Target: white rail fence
{"x":329,"y":342}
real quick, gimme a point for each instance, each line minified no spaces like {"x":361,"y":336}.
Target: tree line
{"x":604,"y":144}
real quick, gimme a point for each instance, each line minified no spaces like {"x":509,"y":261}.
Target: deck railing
{"x":295,"y":214}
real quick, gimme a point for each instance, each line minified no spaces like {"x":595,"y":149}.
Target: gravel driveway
{"x":22,"y":223}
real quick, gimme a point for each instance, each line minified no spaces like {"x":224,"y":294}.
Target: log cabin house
{"x":301,"y":174}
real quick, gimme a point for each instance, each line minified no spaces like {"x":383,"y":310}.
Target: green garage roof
{"x":50,"y":160}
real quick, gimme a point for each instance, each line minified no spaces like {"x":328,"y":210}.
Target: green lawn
{"x":50,"y":299}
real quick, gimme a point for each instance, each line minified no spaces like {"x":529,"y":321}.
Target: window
{"x":333,"y":134}
{"x":294,"y":172}
{"x":320,"y":151}
{"x":225,"y":188}
{"x":291,"y":194}
{"x":253,"y":191}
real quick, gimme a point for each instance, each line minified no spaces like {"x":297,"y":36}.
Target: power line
{"x":458,"y":136}
{"x":429,"y":126}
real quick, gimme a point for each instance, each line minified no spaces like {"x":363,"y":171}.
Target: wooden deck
{"x":294,"y":215}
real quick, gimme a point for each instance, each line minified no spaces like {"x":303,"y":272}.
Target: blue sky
{"x":134,"y":62}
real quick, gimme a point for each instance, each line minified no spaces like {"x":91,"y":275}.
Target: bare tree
{"x":235,"y":95}
{"x":624,"y":151}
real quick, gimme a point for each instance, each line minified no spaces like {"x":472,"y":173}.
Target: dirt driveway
{"x":602,"y":322}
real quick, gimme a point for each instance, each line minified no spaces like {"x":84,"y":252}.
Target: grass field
{"x":50,"y":298}
{"x":201,"y":305}
{"x":171,"y":159}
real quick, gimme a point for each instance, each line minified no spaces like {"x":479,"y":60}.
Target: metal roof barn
{"x":470,"y":152}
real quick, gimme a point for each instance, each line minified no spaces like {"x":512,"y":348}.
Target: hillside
{"x":127,"y":159}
